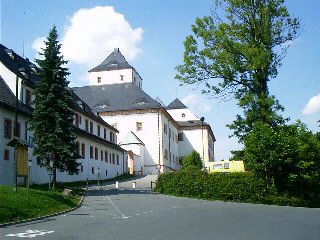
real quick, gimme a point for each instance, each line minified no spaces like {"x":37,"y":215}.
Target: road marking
{"x":30,"y":234}
{"x":123,"y":216}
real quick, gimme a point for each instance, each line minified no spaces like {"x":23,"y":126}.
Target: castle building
{"x":101,"y":156}
{"x":156,"y":136}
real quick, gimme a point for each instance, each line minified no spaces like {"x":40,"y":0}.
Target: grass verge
{"x":14,"y":205}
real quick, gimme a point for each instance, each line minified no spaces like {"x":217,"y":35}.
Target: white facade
{"x":151,"y":131}
{"x":114,"y":77}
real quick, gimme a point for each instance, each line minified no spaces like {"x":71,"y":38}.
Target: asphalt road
{"x":127,"y":213}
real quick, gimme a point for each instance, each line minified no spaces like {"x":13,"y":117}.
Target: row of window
{"x":172,"y":135}
{"x":95,"y":172}
{"x":94,"y":154}
{"x":89,"y":128}
{"x":174,"y":159}
{"x":8,"y":133}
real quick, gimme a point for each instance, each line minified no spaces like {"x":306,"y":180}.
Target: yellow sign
{"x":22,"y":161}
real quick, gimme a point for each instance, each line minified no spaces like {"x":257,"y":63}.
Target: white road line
{"x":123,"y":216}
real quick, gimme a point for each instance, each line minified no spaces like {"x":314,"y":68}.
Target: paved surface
{"x":126,"y":213}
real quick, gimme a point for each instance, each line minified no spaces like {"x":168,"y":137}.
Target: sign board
{"x":22,"y":161}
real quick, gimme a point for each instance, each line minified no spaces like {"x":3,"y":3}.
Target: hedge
{"x":237,"y":187}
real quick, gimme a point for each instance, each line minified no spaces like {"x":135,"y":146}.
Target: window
{"x":7,"y":128}
{"x":6,"y":154}
{"x":139,"y":126}
{"x":165,"y":128}
{"x":105,"y":133}
{"x":169,"y":132}
{"x":96,"y":153}
{"x":226,"y":165}
{"x":106,"y":172}
{"x":110,"y":157}
{"x":99,"y":79}
{"x":98,"y":129}
{"x":78,"y":148}
{"x":83,"y":150}
{"x":28,"y":97}
{"x":177,"y":160}
{"x":91,"y":127}
{"x":180,"y":137}
{"x":170,"y":157}
{"x":166,"y":154}
{"x":173,"y":158}
{"x":101,"y":155}
{"x":121,"y":78}
{"x":87,"y":125}
{"x":91,"y":152}
{"x":77,"y":121}
{"x":117,"y":159}
{"x":111,"y":137}
{"x":81,"y":169}
{"x":106,"y":156}
{"x":92,"y":170}
{"x":113,"y":158}
{"x":176,"y":138}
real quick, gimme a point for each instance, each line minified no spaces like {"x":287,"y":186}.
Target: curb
{"x":43,"y":217}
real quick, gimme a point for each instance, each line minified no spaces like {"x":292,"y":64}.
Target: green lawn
{"x":14,"y":205}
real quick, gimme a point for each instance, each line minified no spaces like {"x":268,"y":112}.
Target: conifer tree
{"x":52,"y":116}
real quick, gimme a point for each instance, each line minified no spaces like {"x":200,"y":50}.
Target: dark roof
{"x":80,"y":106}
{"x":10,"y":58}
{"x":8,"y":99}
{"x":116,"y":97}
{"x":98,"y":139}
{"x":192,"y":123}
{"x":176,"y":104}
{"x":114,"y":61}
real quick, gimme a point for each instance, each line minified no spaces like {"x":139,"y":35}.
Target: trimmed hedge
{"x":237,"y":187}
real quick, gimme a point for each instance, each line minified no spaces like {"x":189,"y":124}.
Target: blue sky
{"x":150,"y":34}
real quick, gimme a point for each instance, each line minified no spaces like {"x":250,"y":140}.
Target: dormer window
{"x":99,"y":79}
{"x":121,"y":78}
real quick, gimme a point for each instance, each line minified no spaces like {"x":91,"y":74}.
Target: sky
{"x":150,"y":35}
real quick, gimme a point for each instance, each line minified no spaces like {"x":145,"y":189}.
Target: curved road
{"x":126,"y":213}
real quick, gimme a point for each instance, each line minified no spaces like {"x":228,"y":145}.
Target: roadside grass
{"x":14,"y":205}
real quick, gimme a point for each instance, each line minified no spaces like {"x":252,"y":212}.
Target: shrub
{"x":238,"y":187}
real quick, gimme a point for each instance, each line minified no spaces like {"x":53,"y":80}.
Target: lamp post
{"x":202,"y":119}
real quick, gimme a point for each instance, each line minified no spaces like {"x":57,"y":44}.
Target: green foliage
{"x":192,"y":161}
{"x":237,"y":187}
{"x":52,"y":115}
{"x":238,"y":53}
{"x":14,"y":205}
{"x":288,"y":155}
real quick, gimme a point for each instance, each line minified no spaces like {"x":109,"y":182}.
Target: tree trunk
{"x":54,"y":178}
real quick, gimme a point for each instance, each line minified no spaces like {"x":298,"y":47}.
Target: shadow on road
{"x":112,"y":192}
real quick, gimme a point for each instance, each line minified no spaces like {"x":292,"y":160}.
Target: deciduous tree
{"x":237,"y":53}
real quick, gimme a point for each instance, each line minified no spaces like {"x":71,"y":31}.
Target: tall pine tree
{"x":52,"y":115}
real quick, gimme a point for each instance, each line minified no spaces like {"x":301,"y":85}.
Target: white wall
{"x":113,"y":77}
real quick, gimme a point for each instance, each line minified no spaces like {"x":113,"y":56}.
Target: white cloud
{"x":190,"y":100}
{"x":313,"y":106}
{"x":196,"y":104}
{"x":38,"y":44}
{"x":92,"y":34}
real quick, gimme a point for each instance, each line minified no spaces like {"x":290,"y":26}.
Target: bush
{"x":192,"y":161}
{"x":238,"y":187}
